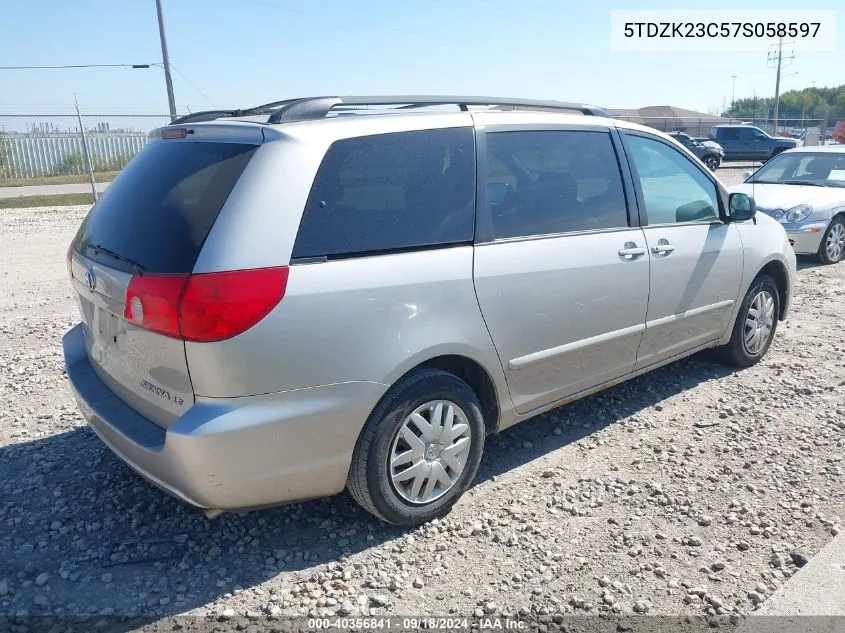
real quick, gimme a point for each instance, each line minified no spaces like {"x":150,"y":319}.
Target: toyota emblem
{"x":90,"y":280}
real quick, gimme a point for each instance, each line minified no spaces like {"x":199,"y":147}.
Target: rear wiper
{"x":136,"y":267}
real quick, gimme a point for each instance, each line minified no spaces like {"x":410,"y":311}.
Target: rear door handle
{"x":662,"y":248}
{"x":631,"y":251}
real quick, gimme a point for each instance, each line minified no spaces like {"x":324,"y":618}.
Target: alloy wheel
{"x":835,"y":242}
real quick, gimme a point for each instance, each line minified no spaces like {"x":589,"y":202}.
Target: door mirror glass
{"x":741,"y":207}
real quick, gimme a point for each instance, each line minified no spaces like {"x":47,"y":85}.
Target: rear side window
{"x":159,"y":210}
{"x":390,"y":192}
{"x":727,"y":133}
{"x":547,"y":182}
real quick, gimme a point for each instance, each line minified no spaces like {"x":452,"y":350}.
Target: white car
{"x":804,"y":189}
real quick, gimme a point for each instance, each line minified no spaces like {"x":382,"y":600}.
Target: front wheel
{"x":712,"y":163}
{"x":832,"y":248}
{"x":755,"y":324}
{"x":420,"y":449}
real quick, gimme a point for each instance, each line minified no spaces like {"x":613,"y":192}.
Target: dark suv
{"x":711,"y":154}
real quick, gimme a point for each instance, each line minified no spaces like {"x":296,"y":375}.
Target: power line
{"x":187,"y":81}
{"x":71,"y":66}
{"x":75,"y":66}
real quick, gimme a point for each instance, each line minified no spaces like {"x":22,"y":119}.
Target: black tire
{"x":369,"y":481}
{"x":837,"y":223}
{"x":712,"y":162}
{"x":737,"y":352}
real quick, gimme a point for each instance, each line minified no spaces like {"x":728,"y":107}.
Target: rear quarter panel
{"x":364,"y":319}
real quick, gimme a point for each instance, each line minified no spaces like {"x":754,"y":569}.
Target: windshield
{"x":823,"y":169}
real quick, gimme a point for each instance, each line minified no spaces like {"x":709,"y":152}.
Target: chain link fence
{"x":809,"y":131}
{"x":47,"y":147}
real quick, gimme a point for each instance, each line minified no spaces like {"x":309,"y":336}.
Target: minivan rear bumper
{"x":232,"y":453}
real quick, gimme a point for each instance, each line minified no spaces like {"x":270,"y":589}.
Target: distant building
{"x":670,"y":118}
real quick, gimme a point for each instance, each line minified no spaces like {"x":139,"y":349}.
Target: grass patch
{"x":62,"y":200}
{"x":99,"y":176}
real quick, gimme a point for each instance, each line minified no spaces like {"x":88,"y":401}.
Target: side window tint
{"x":674,"y":188}
{"x":541,"y":183}
{"x":389,"y":192}
{"x":730,"y":134}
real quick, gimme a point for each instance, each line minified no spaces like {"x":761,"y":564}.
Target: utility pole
{"x":776,"y":59}
{"x":165,"y":58}
{"x":777,"y":85}
{"x":733,"y":91}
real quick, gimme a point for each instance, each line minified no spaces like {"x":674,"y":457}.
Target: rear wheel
{"x":832,"y":248}
{"x":420,"y":449}
{"x":755,"y":324}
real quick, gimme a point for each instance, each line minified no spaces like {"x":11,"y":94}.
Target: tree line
{"x":809,"y":103}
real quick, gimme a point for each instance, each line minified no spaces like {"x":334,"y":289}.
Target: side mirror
{"x":741,"y":207}
{"x":747,"y":174}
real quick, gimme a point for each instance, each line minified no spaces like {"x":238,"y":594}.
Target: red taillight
{"x":205,"y":307}
{"x":152,"y":301}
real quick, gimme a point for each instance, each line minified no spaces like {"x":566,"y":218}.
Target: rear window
{"x":390,"y":192}
{"x":159,"y":210}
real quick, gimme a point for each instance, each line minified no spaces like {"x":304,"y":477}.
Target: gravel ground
{"x":731,"y":173}
{"x":693,"y":490}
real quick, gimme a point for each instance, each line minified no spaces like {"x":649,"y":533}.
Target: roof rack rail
{"x":318,"y":107}
{"x":205,"y":115}
{"x":311,"y":108}
{"x":210,"y":115}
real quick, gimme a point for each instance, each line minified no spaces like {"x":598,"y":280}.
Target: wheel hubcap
{"x":759,"y":322}
{"x":430,"y":451}
{"x":835,"y":243}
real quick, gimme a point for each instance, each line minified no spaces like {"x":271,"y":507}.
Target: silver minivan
{"x":327,"y":293}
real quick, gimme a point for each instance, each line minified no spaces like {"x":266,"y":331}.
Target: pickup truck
{"x":747,"y":142}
